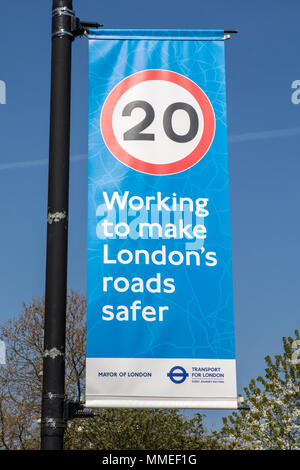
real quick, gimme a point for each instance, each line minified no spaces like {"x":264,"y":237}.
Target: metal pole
{"x":53,"y":394}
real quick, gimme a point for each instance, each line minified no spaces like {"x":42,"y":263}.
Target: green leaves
{"x":143,"y":429}
{"x":273,"y":421}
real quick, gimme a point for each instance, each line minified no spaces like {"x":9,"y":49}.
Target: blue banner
{"x":160,"y":326}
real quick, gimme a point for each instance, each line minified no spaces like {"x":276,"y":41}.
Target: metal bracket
{"x":74,"y":409}
{"x":65,"y":23}
{"x":83,"y":27}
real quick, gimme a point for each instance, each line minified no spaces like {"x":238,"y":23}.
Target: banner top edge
{"x":158,"y":34}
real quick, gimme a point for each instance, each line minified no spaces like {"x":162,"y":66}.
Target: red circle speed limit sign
{"x":158,"y":122}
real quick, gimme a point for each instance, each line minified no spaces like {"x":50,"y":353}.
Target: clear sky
{"x":264,"y":140}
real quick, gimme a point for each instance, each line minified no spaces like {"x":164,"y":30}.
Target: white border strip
{"x":94,"y":401}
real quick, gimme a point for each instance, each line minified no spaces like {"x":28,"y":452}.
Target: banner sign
{"x":160,"y":326}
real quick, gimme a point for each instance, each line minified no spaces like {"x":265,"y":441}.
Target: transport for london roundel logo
{"x":157,"y":122}
{"x":177,"y":375}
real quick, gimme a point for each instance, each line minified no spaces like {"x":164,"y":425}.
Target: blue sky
{"x":262,"y":61}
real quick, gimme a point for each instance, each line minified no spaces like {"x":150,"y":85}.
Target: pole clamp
{"x":65,"y":23}
{"x":52,"y":396}
{"x":54,"y":423}
{"x":62,"y":32}
{"x":63,"y":11}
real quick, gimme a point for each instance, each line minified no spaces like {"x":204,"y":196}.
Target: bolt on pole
{"x":53,"y":392}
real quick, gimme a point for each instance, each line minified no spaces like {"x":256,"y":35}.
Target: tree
{"x":273,"y":418}
{"x":21,"y":377}
{"x":21,"y":387}
{"x":142,"y":429}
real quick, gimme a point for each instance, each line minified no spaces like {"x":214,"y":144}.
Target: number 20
{"x":135,"y":133}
